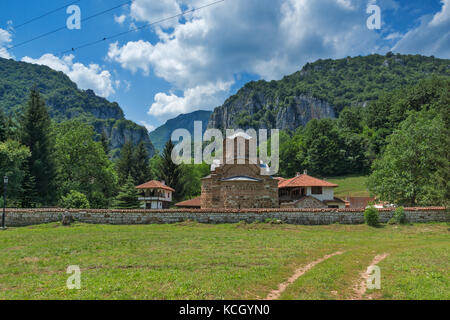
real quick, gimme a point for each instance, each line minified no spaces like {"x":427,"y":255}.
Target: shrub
{"x":399,"y":215}
{"x":75,"y":200}
{"x":371,"y":217}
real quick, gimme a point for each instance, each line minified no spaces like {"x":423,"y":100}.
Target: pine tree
{"x":128,"y":196}
{"x":36,"y":136}
{"x":170,"y":172}
{"x":105,"y":142}
{"x":3,"y":126}
{"x":125,"y":162}
{"x":140,"y":170}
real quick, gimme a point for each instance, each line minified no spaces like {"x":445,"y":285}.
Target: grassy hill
{"x":352,"y":186}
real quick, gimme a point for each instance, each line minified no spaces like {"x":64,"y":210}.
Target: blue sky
{"x":197,"y":61}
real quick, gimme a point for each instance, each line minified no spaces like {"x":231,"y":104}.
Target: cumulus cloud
{"x":148,"y":126}
{"x":431,"y":37}
{"x":86,"y":77}
{"x":120,"y":19}
{"x":200,"y":97}
{"x":5,"y":40}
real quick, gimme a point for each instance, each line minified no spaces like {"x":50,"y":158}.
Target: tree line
{"x":66,"y":164}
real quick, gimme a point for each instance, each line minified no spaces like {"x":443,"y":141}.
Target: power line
{"x":64,"y":27}
{"x":140,"y":28}
{"x":45,"y":14}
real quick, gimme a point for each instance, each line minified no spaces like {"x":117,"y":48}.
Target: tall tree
{"x":105,"y":142}
{"x":125,"y":162}
{"x":140,"y":170}
{"x":82,"y":164}
{"x":3,"y":126}
{"x":128,"y":197}
{"x":170,"y":172}
{"x":416,"y":158}
{"x":36,"y":136}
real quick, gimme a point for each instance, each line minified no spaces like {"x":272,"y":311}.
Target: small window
{"x":316,"y":190}
{"x":333,"y":207}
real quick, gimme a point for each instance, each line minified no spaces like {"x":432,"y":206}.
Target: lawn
{"x":234,"y":261}
{"x":353,"y":186}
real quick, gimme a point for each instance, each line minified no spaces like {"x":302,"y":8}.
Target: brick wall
{"x":25,"y":217}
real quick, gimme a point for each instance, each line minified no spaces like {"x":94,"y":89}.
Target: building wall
{"x":23,"y":217}
{"x":327,"y":194}
{"x":239,"y":194}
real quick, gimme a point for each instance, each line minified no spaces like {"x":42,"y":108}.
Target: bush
{"x":371,"y":217}
{"x":399,"y":215}
{"x":75,"y":200}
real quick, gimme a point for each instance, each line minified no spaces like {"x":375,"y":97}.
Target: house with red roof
{"x":155,"y":195}
{"x":304,"y":191}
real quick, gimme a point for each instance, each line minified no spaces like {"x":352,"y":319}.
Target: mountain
{"x":162,"y":134}
{"x":65,"y":101}
{"x":322,"y":89}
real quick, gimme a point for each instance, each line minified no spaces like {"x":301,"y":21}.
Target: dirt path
{"x":361,"y":288}
{"x":275,"y":294}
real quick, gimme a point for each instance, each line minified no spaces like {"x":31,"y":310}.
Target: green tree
{"x":416,"y":158}
{"x":125,"y":162}
{"x":3,"y":126}
{"x":324,"y":149}
{"x":105,"y":143}
{"x":170,"y":172}
{"x":75,"y":200}
{"x":82,"y":164}
{"x":140,"y":170}
{"x":13,"y":157}
{"x":36,"y":136}
{"x":128,"y":196}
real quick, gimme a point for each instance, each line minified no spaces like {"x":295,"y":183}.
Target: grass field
{"x":353,"y":186}
{"x":240,"y":261}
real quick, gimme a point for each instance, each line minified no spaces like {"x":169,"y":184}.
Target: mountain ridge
{"x":65,"y":101}
{"x":321,"y":90}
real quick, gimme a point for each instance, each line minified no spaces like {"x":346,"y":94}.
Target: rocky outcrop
{"x":250,"y":109}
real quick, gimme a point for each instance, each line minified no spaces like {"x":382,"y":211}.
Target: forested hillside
{"x":65,"y":101}
{"x":322,"y":90}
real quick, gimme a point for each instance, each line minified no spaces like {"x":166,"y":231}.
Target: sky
{"x":197,"y":60}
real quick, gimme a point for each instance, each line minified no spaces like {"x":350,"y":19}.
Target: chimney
{"x":298,"y":174}
{"x":305,"y":172}
{"x":163,"y":182}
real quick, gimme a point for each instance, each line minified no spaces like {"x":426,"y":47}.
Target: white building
{"x":155,"y":195}
{"x":305,"y":191}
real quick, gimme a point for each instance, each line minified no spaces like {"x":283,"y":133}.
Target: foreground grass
{"x":353,"y":186}
{"x":194,"y":261}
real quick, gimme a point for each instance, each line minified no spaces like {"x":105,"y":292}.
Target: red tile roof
{"x":304,"y":180}
{"x":193,"y":203}
{"x":155,"y":185}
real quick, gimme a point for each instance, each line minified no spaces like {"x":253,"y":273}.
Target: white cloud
{"x":5,"y":40}
{"x":151,"y":11}
{"x":199,"y":97}
{"x":120,"y":19}
{"x":86,"y":77}
{"x":431,"y":37}
{"x":148,"y":126}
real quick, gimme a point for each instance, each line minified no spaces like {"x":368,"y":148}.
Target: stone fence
{"x":26,"y":217}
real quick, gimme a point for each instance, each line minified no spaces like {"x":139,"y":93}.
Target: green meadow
{"x":233,"y":261}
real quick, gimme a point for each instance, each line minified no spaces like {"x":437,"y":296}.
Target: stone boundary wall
{"x":27,"y":217}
